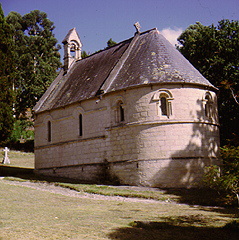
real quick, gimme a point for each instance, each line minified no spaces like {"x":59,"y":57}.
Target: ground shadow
{"x":28,"y":174}
{"x":197,"y":196}
{"x":15,"y":171}
{"x":169,"y":231}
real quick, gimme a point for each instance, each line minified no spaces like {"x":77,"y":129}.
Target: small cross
{"x":137,"y":26}
{"x":6,"y":159}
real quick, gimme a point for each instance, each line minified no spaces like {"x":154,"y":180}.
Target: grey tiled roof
{"x":147,"y":58}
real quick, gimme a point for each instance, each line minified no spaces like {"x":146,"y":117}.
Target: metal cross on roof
{"x":137,"y":26}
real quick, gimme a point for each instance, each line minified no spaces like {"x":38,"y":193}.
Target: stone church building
{"x":136,"y":113}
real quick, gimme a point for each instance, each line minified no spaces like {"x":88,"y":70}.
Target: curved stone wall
{"x":130,"y":136}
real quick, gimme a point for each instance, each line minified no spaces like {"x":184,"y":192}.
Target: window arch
{"x":164,"y":106}
{"x":120,"y":115}
{"x":118,"y":107}
{"x":208,"y":105}
{"x":164,"y":102}
{"x":74,"y":49}
{"x":79,"y":121}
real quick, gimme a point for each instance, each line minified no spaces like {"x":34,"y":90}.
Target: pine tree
{"x":38,"y":57}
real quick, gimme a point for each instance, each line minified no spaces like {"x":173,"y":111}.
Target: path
{"x":48,"y":187}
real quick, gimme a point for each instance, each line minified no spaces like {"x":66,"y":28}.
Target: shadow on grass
{"x":169,"y":231}
{"x":28,"y":174}
{"x":200,"y":197}
{"x":196,"y":196}
{"x":6,"y":171}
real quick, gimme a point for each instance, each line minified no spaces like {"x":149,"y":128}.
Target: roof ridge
{"x":126,"y":40}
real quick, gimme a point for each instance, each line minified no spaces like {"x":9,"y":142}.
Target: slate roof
{"x":147,"y":58}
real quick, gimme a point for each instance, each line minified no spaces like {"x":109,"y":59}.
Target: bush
{"x":225,"y":179}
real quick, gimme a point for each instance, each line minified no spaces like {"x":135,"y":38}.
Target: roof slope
{"x":147,"y":58}
{"x":154,"y":60}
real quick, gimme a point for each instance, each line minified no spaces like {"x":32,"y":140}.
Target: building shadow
{"x":188,"y":165}
{"x":7,"y":171}
{"x":169,"y":231}
{"x":29,"y":174}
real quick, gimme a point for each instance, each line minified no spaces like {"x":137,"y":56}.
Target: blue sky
{"x":97,"y":21}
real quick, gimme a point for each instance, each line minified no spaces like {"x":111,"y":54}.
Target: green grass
{"x":20,"y":159}
{"x":26,"y":160}
{"x":116,"y":191}
{"x":105,"y":190}
{"x":32,"y":214}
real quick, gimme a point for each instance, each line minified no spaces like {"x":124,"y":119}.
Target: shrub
{"x":225,"y":179}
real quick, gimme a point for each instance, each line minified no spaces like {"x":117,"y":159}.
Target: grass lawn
{"x":32,"y":214}
{"x":27,"y":213}
{"x":19,"y":159}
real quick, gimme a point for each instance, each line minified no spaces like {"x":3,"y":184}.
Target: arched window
{"x":80,"y":125}
{"x":164,"y":108}
{"x":49,"y":131}
{"x":118,"y":109}
{"x":121,"y":112}
{"x":163,"y":98}
{"x":208,"y":105}
{"x":74,"y":49}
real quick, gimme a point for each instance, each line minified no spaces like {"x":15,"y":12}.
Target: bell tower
{"x":72,"y":48}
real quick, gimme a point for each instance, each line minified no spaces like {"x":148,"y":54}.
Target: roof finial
{"x":137,"y":26}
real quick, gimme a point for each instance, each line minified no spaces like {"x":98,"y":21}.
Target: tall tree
{"x":6,"y":78}
{"x":214,"y":51}
{"x":38,"y":56}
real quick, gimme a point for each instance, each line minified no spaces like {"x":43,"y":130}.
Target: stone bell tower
{"x":72,"y":48}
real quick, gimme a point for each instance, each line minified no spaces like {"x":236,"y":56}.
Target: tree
{"x":214,"y":51}
{"x":37,"y":57}
{"x":111,"y":43}
{"x":84,"y":54}
{"x":6,"y":78}
{"x":225,"y":179}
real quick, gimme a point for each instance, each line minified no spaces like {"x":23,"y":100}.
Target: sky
{"x":96,"y":21}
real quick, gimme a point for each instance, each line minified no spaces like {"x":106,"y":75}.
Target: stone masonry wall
{"x":146,"y":148}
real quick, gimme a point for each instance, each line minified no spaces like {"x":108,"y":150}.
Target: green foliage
{"x":37,"y":57}
{"x":111,"y":43}
{"x":214,"y":51}
{"x":114,"y":191}
{"x":22,"y":130}
{"x":225,"y":179}
{"x":84,"y":54}
{"x":6,"y":78}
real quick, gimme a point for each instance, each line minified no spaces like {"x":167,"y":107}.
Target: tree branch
{"x":234,"y":96}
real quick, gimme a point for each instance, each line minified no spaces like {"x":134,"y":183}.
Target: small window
{"x":164,"y":109}
{"x":121,"y":112}
{"x":208,"y":106}
{"x":163,"y":99}
{"x":165,"y":105}
{"x":49,"y":131}
{"x":80,"y":125}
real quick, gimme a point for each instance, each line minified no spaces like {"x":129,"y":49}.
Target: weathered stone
{"x":148,"y":147}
